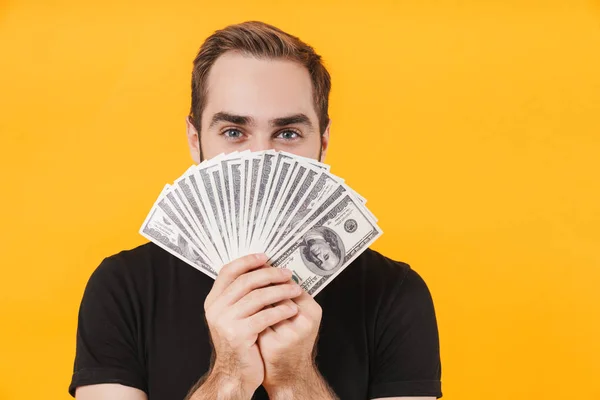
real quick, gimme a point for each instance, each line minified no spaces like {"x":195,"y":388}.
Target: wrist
{"x":303,"y":384}
{"x":281,"y":393}
{"x":221,"y":386}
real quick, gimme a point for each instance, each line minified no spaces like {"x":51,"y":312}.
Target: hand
{"x":238,"y":308}
{"x":288,"y":347}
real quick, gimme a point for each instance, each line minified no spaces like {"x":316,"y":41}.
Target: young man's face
{"x":258,"y":104}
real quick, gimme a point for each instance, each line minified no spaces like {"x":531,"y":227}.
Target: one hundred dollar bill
{"x":322,"y":250}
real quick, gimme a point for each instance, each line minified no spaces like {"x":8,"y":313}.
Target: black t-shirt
{"x":141,"y":324}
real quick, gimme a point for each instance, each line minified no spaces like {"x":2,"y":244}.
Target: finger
{"x":258,"y":299}
{"x":286,"y":325}
{"x":309,"y":316}
{"x":252,"y":280}
{"x":231,"y":271}
{"x":268,"y":334}
{"x":269,"y":316}
{"x":308,"y":305}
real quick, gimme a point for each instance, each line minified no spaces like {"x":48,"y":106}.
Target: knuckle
{"x":229,"y":333}
{"x":284,"y":311}
{"x":281,"y":312}
{"x":225,"y":272}
{"x":217,"y":322}
{"x":263,"y":276}
{"x":306,"y":324}
{"x":255,"y":324}
{"x":264,"y":295}
{"x":244,"y":280}
{"x":290,"y":290}
{"x":314,"y":310}
{"x":209,"y":316}
{"x":254,"y":296}
{"x":250,"y":258}
{"x":286,"y":292}
{"x":274,"y":273}
{"x":318,"y":311}
{"x":268,"y":276}
{"x":276,"y":293}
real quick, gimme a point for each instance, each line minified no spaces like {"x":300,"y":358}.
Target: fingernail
{"x":262,"y":257}
{"x":286,"y":272}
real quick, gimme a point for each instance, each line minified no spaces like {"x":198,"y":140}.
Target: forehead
{"x":261,"y":88}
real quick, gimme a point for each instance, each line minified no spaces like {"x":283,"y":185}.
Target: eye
{"x":326,"y":257}
{"x":288,"y":135}
{"x":232,"y":134}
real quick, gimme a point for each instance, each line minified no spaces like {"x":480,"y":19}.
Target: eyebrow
{"x":294,"y":119}
{"x":231,"y":118}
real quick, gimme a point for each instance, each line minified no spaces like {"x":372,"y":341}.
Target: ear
{"x":193,"y":140}
{"x":325,"y":141}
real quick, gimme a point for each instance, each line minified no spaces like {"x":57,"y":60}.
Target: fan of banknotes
{"x":290,"y":207}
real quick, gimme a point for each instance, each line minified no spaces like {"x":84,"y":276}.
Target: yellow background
{"x":472,"y":127}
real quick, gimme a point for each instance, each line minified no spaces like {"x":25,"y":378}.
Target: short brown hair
{"x":259,"y":40}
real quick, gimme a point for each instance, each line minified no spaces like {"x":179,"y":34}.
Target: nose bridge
{"x":261,"y":141}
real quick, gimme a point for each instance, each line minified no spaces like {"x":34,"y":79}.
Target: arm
{"x":108,"y":353}
{"x":217,"y":386}
{"x":110,"y":391}
{"x":311,"y":385}
{"x":406,"y":363}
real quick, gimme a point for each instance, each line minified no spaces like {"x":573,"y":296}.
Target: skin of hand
{"x":247,"y":298}
{"x":288,"y":351}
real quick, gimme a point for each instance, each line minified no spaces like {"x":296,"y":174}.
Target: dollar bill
{"x":322,"y":250}
{"x":161,"y":230}
{"x":283,"y":199}
{"x":275,"y":187}
{"x":323,"y":186}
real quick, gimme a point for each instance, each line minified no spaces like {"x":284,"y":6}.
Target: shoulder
{"x":381,"y":266}
{"x":382,"y":272}
{"x":130,"y":269}
{"x":145,"y":273}
{"x":129,"y":262}
{"x":389,"y":282}
{"x":401,"y":327}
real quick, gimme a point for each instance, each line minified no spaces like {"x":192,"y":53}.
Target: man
{"x":152,"y":327}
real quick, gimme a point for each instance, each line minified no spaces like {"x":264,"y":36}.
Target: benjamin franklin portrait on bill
{"x":322,"y":251}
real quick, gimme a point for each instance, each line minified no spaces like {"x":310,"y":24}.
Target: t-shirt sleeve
{"x":407,"y":352}
{"x":109,"y":323}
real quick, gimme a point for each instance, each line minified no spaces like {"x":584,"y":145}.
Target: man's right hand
{"x":246,"y":298}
